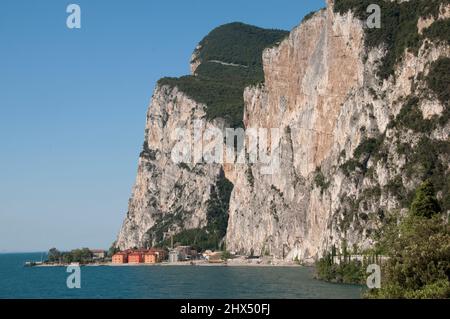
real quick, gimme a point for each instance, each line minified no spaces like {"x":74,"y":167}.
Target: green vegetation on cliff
{"x":438,"y":79}
{"x":219,"y":85}
{"x":425,"y":159}
{"x":238,"y":43}
{"x":209,"y":237}
{"x":369,"y":147}
{"x":438,"y":31}
{"x":398,"y":30}
{"x":320,"y":180}
{"x":425,"y":203}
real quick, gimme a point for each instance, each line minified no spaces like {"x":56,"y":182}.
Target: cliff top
{"x":226,"y":61}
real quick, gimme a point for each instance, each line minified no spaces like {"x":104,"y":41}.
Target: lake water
{"x":17,"y":281}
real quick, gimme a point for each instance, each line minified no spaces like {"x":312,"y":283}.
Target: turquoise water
{"x":17,"y":281}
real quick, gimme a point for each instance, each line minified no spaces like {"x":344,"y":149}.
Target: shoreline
{"x":184,"y":264}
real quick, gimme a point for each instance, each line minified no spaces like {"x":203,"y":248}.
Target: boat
{"x":34,"y":263}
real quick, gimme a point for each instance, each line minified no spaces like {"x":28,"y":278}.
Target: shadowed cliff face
{"x":353,"y":146}
{"x":167,"y":197}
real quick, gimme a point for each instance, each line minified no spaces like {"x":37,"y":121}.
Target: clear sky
{"x":73,"y":105}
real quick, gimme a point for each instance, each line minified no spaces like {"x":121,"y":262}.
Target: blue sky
{"x":73,"y":105}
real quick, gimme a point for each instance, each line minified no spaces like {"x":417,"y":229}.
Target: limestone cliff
{"x":168,"y":197}
{"x":190,"y":199}
{"x":321,"y":87}
{"x":355,"y":142}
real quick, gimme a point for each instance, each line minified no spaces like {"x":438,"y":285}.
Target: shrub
{"x":438,"y":31}
{"x":438,"y":79}
{"x":425,"y":203}
{"x":427,"y":161}
{"x":419,"y":263}
{"x":320,"y":181}
{"x":398,"y":31}
{"x":347,"y":272}
{"x":367,"y":147}
{"x":226,"y":255}
{"x":250,"y":177}
{"x":419,"y":251}
{"x":439,"y":289}
{"x":217,"y":212}
{"x":308,"y":16}
{"x":411,"y":117}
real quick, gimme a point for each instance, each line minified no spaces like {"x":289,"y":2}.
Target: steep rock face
{"x":353,"y":146}
{"x":168,"y":197}
{"x":195,"y":60}
{"x":321,"y":90}
{"x":308,"y":78}
{"x":171,"y":198}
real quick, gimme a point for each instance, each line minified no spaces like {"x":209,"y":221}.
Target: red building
{"x":150,"y":258}
{"x":136,"y":257}
{"x":120,"y":258}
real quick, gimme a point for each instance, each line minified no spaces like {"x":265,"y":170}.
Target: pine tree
{"x":425,"y":203}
